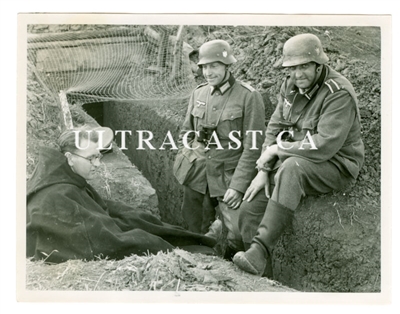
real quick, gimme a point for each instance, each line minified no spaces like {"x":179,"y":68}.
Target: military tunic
{"x":328,"y":113}
{"x":234,"y":106}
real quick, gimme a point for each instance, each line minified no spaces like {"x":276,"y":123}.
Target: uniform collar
{"x":310,"y":92}
{"x":224,"y":86}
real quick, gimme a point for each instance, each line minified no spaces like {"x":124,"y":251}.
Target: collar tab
{"x":224,"y":86}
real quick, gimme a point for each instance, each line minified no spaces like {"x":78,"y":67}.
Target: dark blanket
{"x":67,"y":219}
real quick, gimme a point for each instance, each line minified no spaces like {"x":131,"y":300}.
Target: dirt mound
{"x":175,"y":271}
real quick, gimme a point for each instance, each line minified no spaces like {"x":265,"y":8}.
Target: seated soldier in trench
{"x":323,"y":151}
{"x":67,"y":219}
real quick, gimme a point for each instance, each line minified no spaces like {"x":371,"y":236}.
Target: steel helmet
{"x":216,"y":50}
{"x":302,"y":49}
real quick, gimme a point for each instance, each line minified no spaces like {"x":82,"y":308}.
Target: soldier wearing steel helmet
{"x":218,"y":174}
{"x":313,"y":146}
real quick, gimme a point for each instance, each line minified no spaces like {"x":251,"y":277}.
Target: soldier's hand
{"x":260,"y":181}
{"x":268,"y":157}
{"x":233,"y":198}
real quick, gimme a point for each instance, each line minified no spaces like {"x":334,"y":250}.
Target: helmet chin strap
{"x":225,"y":76}
{"x":318,"y":70}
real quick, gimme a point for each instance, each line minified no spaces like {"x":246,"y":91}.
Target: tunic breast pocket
{"x":231,"y":120}
{"x":308,"y":125}
{"x":198,"y":112}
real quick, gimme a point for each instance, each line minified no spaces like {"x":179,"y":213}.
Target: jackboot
{"x":215,"y":230}
{"x":233,"y":237}
{"x":257,"y":259}
{"x":230,"y":219}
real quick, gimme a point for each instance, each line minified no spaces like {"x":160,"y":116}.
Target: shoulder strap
{"x":247,"y":86}
{"x":201,"y":85}
{"x":333,"y":85}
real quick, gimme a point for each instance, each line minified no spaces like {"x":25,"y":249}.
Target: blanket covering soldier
{"x":67,"y":219}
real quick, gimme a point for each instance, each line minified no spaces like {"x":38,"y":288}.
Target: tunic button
{"x":209,"y":157}
{"x":212,"y":123}
{"x":214,"y":108}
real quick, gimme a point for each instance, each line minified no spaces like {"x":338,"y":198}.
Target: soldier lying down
{"x":67,"y":219}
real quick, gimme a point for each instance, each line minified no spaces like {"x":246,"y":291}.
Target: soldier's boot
{"x":233,"y":236}
{"x":257,"y":259}
{"x":215,"y":230}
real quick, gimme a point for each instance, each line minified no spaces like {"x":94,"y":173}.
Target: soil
{"x":354,"y":51}
{"x":175,"y":271}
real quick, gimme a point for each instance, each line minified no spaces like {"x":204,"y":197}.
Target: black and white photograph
{"x":204,"y":158}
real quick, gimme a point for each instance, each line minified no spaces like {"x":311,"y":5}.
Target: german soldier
{"x":216,"y":157}
{"x":313,"y":145}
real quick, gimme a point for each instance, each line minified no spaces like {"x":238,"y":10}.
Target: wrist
{"x":262,"y":173}
{"x":264,"y":169}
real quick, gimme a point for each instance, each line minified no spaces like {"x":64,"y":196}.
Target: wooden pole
{"x":65,"y":110}
{"x":86,"y":42}
{"x":163,"y":49}
{"x":177,"y":54}
{"x":178,"y":38}
{"x":83,"y":35}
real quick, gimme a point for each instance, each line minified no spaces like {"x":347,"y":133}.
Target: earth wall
{"x":332,"y":246}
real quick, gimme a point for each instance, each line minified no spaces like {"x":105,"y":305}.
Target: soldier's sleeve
{"x":187,"y":124}
{"x":253,"y":120}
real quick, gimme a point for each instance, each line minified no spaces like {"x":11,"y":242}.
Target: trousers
{"x":295,"y":178}
{"x":198,"y":210}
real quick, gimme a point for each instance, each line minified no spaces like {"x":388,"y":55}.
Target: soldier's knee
{"x":254,"y":208}
{"x":291,"y":169}
{"x":244,"y":209}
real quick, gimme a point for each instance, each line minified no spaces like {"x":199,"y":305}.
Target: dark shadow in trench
{"x":95,"y":110}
